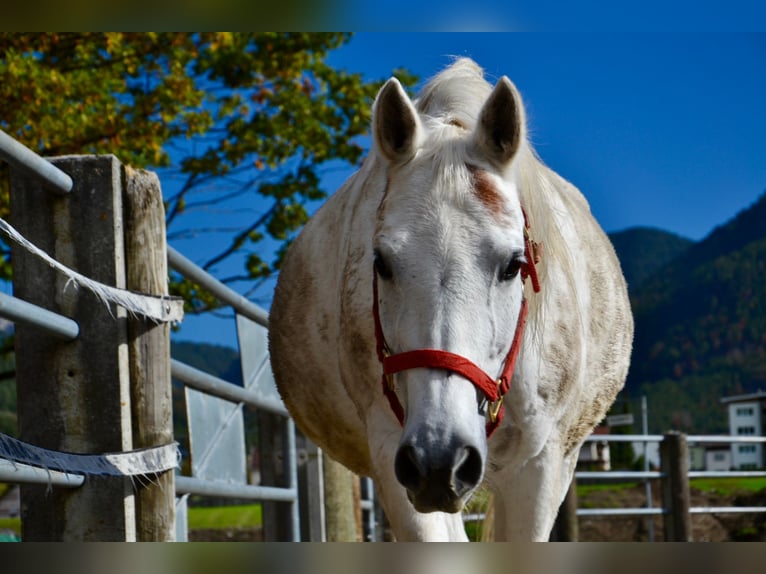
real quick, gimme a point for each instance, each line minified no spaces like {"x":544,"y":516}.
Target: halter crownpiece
{"x":493,"y":389}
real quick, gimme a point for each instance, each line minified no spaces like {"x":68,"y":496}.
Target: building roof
{"x":756,"y":396}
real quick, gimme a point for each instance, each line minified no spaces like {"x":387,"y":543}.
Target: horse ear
{"x":502,"y":124}
{"x":396,"y":128}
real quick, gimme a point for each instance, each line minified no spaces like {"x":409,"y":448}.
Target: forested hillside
{"x":701,"y":325}
{"x":643,"y":250}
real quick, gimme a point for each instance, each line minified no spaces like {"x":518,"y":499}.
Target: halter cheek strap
{"x":493,"y":390}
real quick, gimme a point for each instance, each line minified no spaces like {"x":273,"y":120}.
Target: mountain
{"x":223,"y":362}
{"x":216,"y":360}
{"x":701,"y":325}
{"x":644,"y":250}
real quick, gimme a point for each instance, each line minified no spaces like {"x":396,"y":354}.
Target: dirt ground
{"x":705,"y":527}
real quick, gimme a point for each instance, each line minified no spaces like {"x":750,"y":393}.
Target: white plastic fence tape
{"x":162,"y":309}
{"x":142,"y":462}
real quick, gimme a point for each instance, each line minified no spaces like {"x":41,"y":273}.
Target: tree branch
{"x":237,"y":242}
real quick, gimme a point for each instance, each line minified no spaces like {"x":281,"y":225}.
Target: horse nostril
{"x":469,"y":470}
{"x":408,"y":469}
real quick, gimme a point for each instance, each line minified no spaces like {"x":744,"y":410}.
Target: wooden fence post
{"x":311,"y":490}
{"x":340,"y":514}
{"x":74,"y":396}
{"x":149,"y":351}
{"x":271,"y":447}
{"x":566,"y":528}
{"x":674,"y":459}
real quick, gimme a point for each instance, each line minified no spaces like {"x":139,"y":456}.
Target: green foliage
{"x":249,"y":115}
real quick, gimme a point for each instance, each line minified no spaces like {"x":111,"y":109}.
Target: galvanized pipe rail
{"x":12,"y":308}
{"x":15,"y":472}
{"x":644,"y":475}
{"x":212,"y":385}
{"x":19,"y":311}
{"x":23,"y":158}
{"x":209,"y":384}
{"x":225,"y":294}
{"x":202,"y":487}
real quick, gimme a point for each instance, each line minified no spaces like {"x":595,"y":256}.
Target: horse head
{"x":449,"y":260}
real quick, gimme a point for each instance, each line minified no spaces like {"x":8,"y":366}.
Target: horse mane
{"x":449,"y":105}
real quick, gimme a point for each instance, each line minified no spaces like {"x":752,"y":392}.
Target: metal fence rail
{"x":653,"y":475}
{"x":23,"y":158}
{"x":225,"y":294}
{"x":12,"y":308}
{"x":26,"y":161}
{"x":14,"y":472}
{"x":209,"y":384}
{"x":21,"y":312}
{"x":18,"y":311}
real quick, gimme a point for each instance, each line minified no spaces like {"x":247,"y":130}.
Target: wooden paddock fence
{"x":94,"y":379}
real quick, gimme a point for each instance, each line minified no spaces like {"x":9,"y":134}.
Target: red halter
{"x":493,"y":390}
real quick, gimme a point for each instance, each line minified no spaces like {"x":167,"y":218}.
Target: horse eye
{"x":381,"y":267}
{"x":512,"y":270}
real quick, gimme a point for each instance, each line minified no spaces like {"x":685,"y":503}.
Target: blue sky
{"x":660,"y":130}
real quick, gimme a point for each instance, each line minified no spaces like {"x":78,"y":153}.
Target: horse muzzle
{"x":439,"y":480}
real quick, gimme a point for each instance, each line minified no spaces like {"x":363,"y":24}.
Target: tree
{"x":227,"y":115}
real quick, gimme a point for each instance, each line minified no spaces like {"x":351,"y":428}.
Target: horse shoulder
{"x":305,"y":327}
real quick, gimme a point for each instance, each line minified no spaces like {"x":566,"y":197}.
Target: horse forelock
{"x":455,"y":95}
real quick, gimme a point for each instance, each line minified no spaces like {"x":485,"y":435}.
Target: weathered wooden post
{"x":271,"y":447}
{"x":566,"y":528}
{"x":674,"y":460}
{"x":74,"y":396}
{"x":149,"y":351}
{"x":340,"y":514}
{"x":311,"y":490}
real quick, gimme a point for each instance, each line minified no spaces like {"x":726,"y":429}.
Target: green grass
{"x":586,"y":489}
{"x":220,"y":517}
{"x":11,"y":524}
{"x":728,"y":486}
{"x":199,"y":517}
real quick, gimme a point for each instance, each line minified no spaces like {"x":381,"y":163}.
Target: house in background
{"x":714,"y":456}
{"x":595,"y":455}
{"x":747,"y":416}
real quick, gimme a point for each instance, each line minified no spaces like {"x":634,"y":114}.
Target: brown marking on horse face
{"x":486,"y":191}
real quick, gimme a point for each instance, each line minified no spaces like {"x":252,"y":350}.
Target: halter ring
{"x":494,"y":409}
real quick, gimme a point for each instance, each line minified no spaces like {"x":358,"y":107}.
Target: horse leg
{"x":407,"y":524}
{"x":528,"y":499}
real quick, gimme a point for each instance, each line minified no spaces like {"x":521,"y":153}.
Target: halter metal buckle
{"x":494,"y":409}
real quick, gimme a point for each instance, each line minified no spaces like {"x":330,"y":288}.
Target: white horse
{"x":421,"y":265}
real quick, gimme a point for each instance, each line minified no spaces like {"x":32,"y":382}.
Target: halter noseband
{"x":493,"y":390}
